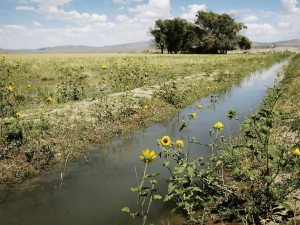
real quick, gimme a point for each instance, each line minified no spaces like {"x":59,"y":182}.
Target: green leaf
{"x":269,"y":178}
{"x":251,"y":175}
{"x":191,"y":171}
{"x":236,"y":170}
{"x":157,"y":197}
{"x":265,"y":130}
{"x":168,"y":197}
{"x":171,"y":187}
{"x":277,"y":202}
{"x":273,"y":150}
{"x":178,"y":170}
{"x":218,"y":162}
{"x":286,"y":206}
{"x":245,"y":127}
{"x":152,"y":175}
{"x":134,"y":189}
{"x":296,"y":167}
{"x":167,"y":163}
{"x":244,"y":189}
{"x":126,"y":209}
{"x":153,"y":181}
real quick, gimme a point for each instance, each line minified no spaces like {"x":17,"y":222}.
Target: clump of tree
{"x":174,"y":35}
{"x":211,"y":33}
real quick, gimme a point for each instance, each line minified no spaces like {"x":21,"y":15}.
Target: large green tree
{"x":217,"y":33}
{"x":244,"y":43}
{"x":174,"y":34}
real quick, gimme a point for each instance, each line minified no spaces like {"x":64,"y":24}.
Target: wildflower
{"x":194,"y":115}
{"x":216,"y":88}
{"x":29,"y":86}
{"x":160,"y":65}
{"x":179,"y":144}
{"x":132,"y":60}
{"x":146,"y":107}
{"x":64,"y":71}
{"x":17,"y":62}
{"x":57,"y":84}
{"x":147,"y":156}
{"x":35,"y":99}
{"x":104,"y":67}
{"x":127,"y":87}
{"x":82,"y":67}
{"x":124,"y":58}
{"x":116,"y":62}
{"x":144,"y":60}
{"x":103,"y":81}
{"x":49,"y":100}
{"x":18,"y":115}
{"x":218,"y":126}
{"x":119,"y":68}
{"x":4,"y":57}
{"x":296,"y":151}
{"x":12,"y":83}
{"x":208,"y":88}
{"x":166,"y":141}
{"x":75,"y":69}
{"x":200,"y":106}
{"x":10,"y":88}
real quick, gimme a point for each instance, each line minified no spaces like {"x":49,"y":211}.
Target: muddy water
{"x":94,"y":190}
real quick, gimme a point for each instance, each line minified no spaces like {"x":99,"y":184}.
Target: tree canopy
{"x":211,"y":33}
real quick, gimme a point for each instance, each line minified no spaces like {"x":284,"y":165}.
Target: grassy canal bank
{"x":54,"y":106}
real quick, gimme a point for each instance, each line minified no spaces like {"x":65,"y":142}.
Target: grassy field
{"x":53,"y":106}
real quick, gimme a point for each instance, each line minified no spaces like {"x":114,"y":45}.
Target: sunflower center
{"x":165,"y":141}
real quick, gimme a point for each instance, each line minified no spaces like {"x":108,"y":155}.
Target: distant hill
{"x":290,"y":43}
{"x":131,"y":47}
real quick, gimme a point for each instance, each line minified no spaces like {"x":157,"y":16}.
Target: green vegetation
{"x":250,"y":176}
{"x":210,"y":34}
{"x":54,"y":106}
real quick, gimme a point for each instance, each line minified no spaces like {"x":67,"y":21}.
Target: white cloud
{"x":183,"y":9}
{"x":155,"y":9}
{"x":192,"y":11}
{"x":37,"y":24}
{"x":284,"y":24}
{"x":250,"y":19}
{"x":125,"y":1}
{"x":24,"y":8}
{"x":289,"y":6}
{"x":23,"y":2}
{"x":261,"y":32}
{"x":121,"y":8}
{"x":121,"y":18}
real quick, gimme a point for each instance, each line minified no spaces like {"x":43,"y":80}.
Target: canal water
{"x":95,"y":189}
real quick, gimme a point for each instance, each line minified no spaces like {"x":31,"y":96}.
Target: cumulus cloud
{"x":23,"y":2}
{"x":24,"y":8}
{"x":121,"y":8}
{"x":284,"y":24}
{"x":121,"y":18}
{"x":155,"y":9}
{"x":183,"y":9}
{"x":192,"y":11}
{"x":250,"y":19}
{"x":37,"y":24}
{"x":125,"y":1}
{"x":289,"y":6}
{"x":261,"y":32}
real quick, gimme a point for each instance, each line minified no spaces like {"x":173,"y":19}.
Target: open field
{"x":54,"y":106}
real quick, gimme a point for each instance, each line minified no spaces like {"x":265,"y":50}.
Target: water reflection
{"x":95,"y":188}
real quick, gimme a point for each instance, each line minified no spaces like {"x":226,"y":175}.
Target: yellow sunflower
{"x":104,"y":67}
{"x":200,"y":106}
{"x":166,"y":141}
{"x":296,"y":151}
{"x":218,"y":126}
{"x":18,"y":115}
{"x":147,"y":156}
{"x":208,"y":88}
{"x":179,"y":144}
{"x":194,"y":115}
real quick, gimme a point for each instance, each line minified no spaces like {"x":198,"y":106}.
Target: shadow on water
{"x":95,"y":189}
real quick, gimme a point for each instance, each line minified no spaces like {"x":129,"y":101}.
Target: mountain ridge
{"x":129,"y":47}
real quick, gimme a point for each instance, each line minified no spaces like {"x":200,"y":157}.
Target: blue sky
{"x":27,"y":24}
